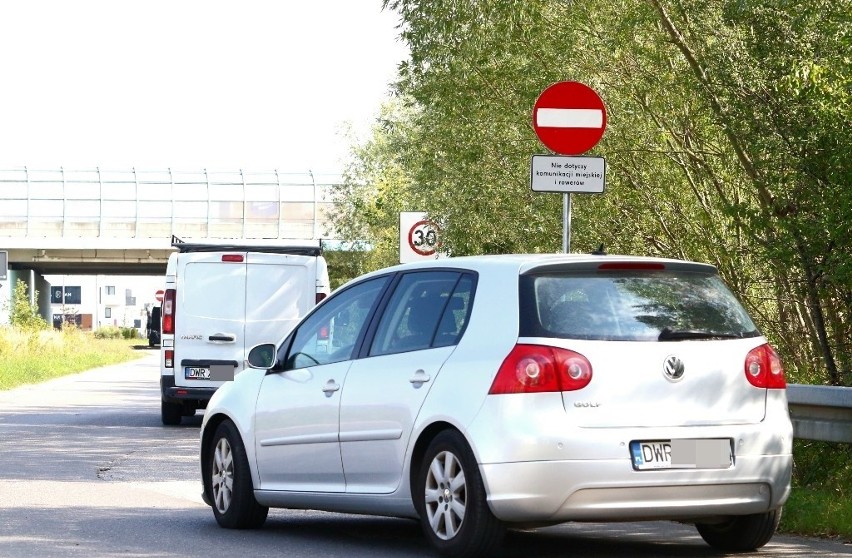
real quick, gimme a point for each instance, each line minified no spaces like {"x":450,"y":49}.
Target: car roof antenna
{"x":600,"y":251}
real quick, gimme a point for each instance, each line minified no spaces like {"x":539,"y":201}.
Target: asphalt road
{"x":87,"y":469}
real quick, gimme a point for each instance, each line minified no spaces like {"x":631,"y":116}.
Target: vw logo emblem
{"x":673,"y":368}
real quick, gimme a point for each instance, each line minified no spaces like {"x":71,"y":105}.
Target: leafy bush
{"x":108,"y":332}
{"x":129,"y":333}
{"x":22,"y":314}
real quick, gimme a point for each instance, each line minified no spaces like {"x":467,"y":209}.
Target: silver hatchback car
{"x":482,"y":393}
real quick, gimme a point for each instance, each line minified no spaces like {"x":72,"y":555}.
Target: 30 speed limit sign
{"x":418,"y":237}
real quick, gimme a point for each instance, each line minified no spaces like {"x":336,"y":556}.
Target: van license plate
{"x":682,"y":454}
{"x":193,"y":373}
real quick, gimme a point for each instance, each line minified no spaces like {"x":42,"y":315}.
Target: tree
{"x":729,"y":131}
{"x":23,"y":314}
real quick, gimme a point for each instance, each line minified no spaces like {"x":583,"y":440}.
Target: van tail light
{"x":169,"y":358}
{"x":321,"y":297}
{"x":763,"y":368}
{"x":169,"y":311}
{"x":539,"y":368}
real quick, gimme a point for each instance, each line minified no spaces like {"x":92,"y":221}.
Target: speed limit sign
{"x":418,"y":237}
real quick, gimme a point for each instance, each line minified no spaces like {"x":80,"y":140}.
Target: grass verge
{"x":29,"y":357}
{"x":820,"y":504}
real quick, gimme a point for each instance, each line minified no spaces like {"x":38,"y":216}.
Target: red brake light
{"x":169,"y":358}
{"x":232,"y":258}
{"x":538,"y":368}
{"x":169,"y":311}
{"x":763,"y":368}
{"x":321,"y":297}
{"x":631,"y":266}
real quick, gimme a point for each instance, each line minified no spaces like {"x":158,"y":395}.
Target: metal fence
{"x":821,"y":412}
{"x":161,"y":203}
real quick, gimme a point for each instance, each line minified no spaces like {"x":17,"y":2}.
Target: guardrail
{"x":821,"y":412}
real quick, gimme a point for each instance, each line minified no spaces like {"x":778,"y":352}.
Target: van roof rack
{"x":295,"y":248}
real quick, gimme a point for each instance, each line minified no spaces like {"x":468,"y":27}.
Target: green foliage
{"x":23,"y":314}
{"x":344,"y":265}
{"x":729,"y":130}
{"x":108,"y":332}
{"x":821,"y":500}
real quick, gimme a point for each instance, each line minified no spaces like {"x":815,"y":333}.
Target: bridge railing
{"x":160,"y":203}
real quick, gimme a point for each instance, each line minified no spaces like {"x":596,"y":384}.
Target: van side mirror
{"x":262,"y":357}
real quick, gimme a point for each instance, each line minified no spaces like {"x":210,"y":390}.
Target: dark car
{"x":154,"y":326}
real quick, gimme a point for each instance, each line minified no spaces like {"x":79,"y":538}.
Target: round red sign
{"x":159,"y":295}
{"x":569,"y":117}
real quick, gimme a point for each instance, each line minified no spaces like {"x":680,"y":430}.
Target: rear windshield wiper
{"x":669,"y":334}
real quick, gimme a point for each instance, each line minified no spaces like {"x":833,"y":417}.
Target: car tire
{"x":228,"y":479}
{"x":170,"y":413}
{"x":741,"y":534}
{"x":451,"y":500}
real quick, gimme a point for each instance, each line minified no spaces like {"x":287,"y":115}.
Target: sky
{"x":187,"y":84}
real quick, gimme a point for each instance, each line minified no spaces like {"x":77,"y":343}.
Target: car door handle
{"x":420,"y":377}
{"x":330,"y":387}
{"x":222,"y":338}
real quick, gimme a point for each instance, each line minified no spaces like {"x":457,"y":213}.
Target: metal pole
{"x":566,"y":222}
{"x":315,"y":202}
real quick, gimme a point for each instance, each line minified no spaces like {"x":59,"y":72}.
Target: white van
{"x":220,"y":301}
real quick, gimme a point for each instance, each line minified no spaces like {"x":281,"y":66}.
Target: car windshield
{"x":631,"y":306}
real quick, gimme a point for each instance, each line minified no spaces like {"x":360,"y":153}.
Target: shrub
{"x":108,"y":332}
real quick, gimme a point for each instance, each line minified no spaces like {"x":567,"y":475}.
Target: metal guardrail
{"x":821,"y":412}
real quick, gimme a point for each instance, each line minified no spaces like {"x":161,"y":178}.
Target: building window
{"x":110,"y":289}
{"x":107,"y":312}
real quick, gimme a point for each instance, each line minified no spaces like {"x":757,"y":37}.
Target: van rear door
{"x":210,"y":323}
{"x":280,"y":290}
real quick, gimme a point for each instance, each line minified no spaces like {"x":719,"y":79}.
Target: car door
{"x":385,"y":389}
{"x":297,"y":410}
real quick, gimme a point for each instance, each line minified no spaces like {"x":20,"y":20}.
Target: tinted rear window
{"x":630,"y":306}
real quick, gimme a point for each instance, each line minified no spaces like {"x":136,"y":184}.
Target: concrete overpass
{"x":121,"y":222}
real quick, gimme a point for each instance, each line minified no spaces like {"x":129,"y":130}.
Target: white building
{"x":96,"y":301}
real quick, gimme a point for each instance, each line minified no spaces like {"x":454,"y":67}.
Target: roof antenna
{"x":600,"y":251}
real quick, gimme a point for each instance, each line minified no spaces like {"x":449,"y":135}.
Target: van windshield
{"x":631,"y":306}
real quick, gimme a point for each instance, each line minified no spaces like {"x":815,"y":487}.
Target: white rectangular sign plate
{"x":556,"y":173}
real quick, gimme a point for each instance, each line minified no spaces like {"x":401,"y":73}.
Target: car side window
{"x":329,"y":334}
{"x":456,"y":314}
{"x":411,"y":319}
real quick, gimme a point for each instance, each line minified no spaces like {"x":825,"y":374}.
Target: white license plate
{"x":194,"y":373}
{"x":712,"y":453}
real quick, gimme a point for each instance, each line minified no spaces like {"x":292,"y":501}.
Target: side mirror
{"x":262,"y":357}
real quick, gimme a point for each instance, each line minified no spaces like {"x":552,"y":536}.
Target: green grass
{"x":29,"y":357}
{"x":821,"y":502}
{"x":818,"y":512}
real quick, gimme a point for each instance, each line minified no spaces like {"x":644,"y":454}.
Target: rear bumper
{"x":173,"y":393}
{"x":610,"y":490}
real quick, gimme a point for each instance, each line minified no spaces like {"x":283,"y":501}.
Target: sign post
{"x":569,"y":118}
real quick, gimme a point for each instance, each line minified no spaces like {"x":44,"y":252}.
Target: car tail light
{"x":321,"y":297}
{"x":169,"y":311}
{"x":631,"y":266}
{"x":236,"y":258}
{"x":169,"y":358}
{"x":763,"y":368}
{"x":539,"y":368}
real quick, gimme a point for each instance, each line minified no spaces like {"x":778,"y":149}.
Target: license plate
{"x":712,"y":453}
{"x":194,"y":373}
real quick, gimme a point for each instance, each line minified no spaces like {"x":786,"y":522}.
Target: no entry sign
{"x":159,"y":295}
{"x":569,"y":117}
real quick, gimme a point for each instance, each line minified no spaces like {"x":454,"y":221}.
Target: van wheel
{"x":451,"y":500}
{"x":741,"y":534}
{"x":228,"y":479}
{"x":171,"y":413}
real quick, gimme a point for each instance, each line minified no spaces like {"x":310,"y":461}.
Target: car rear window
{"x":631,"y":306}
